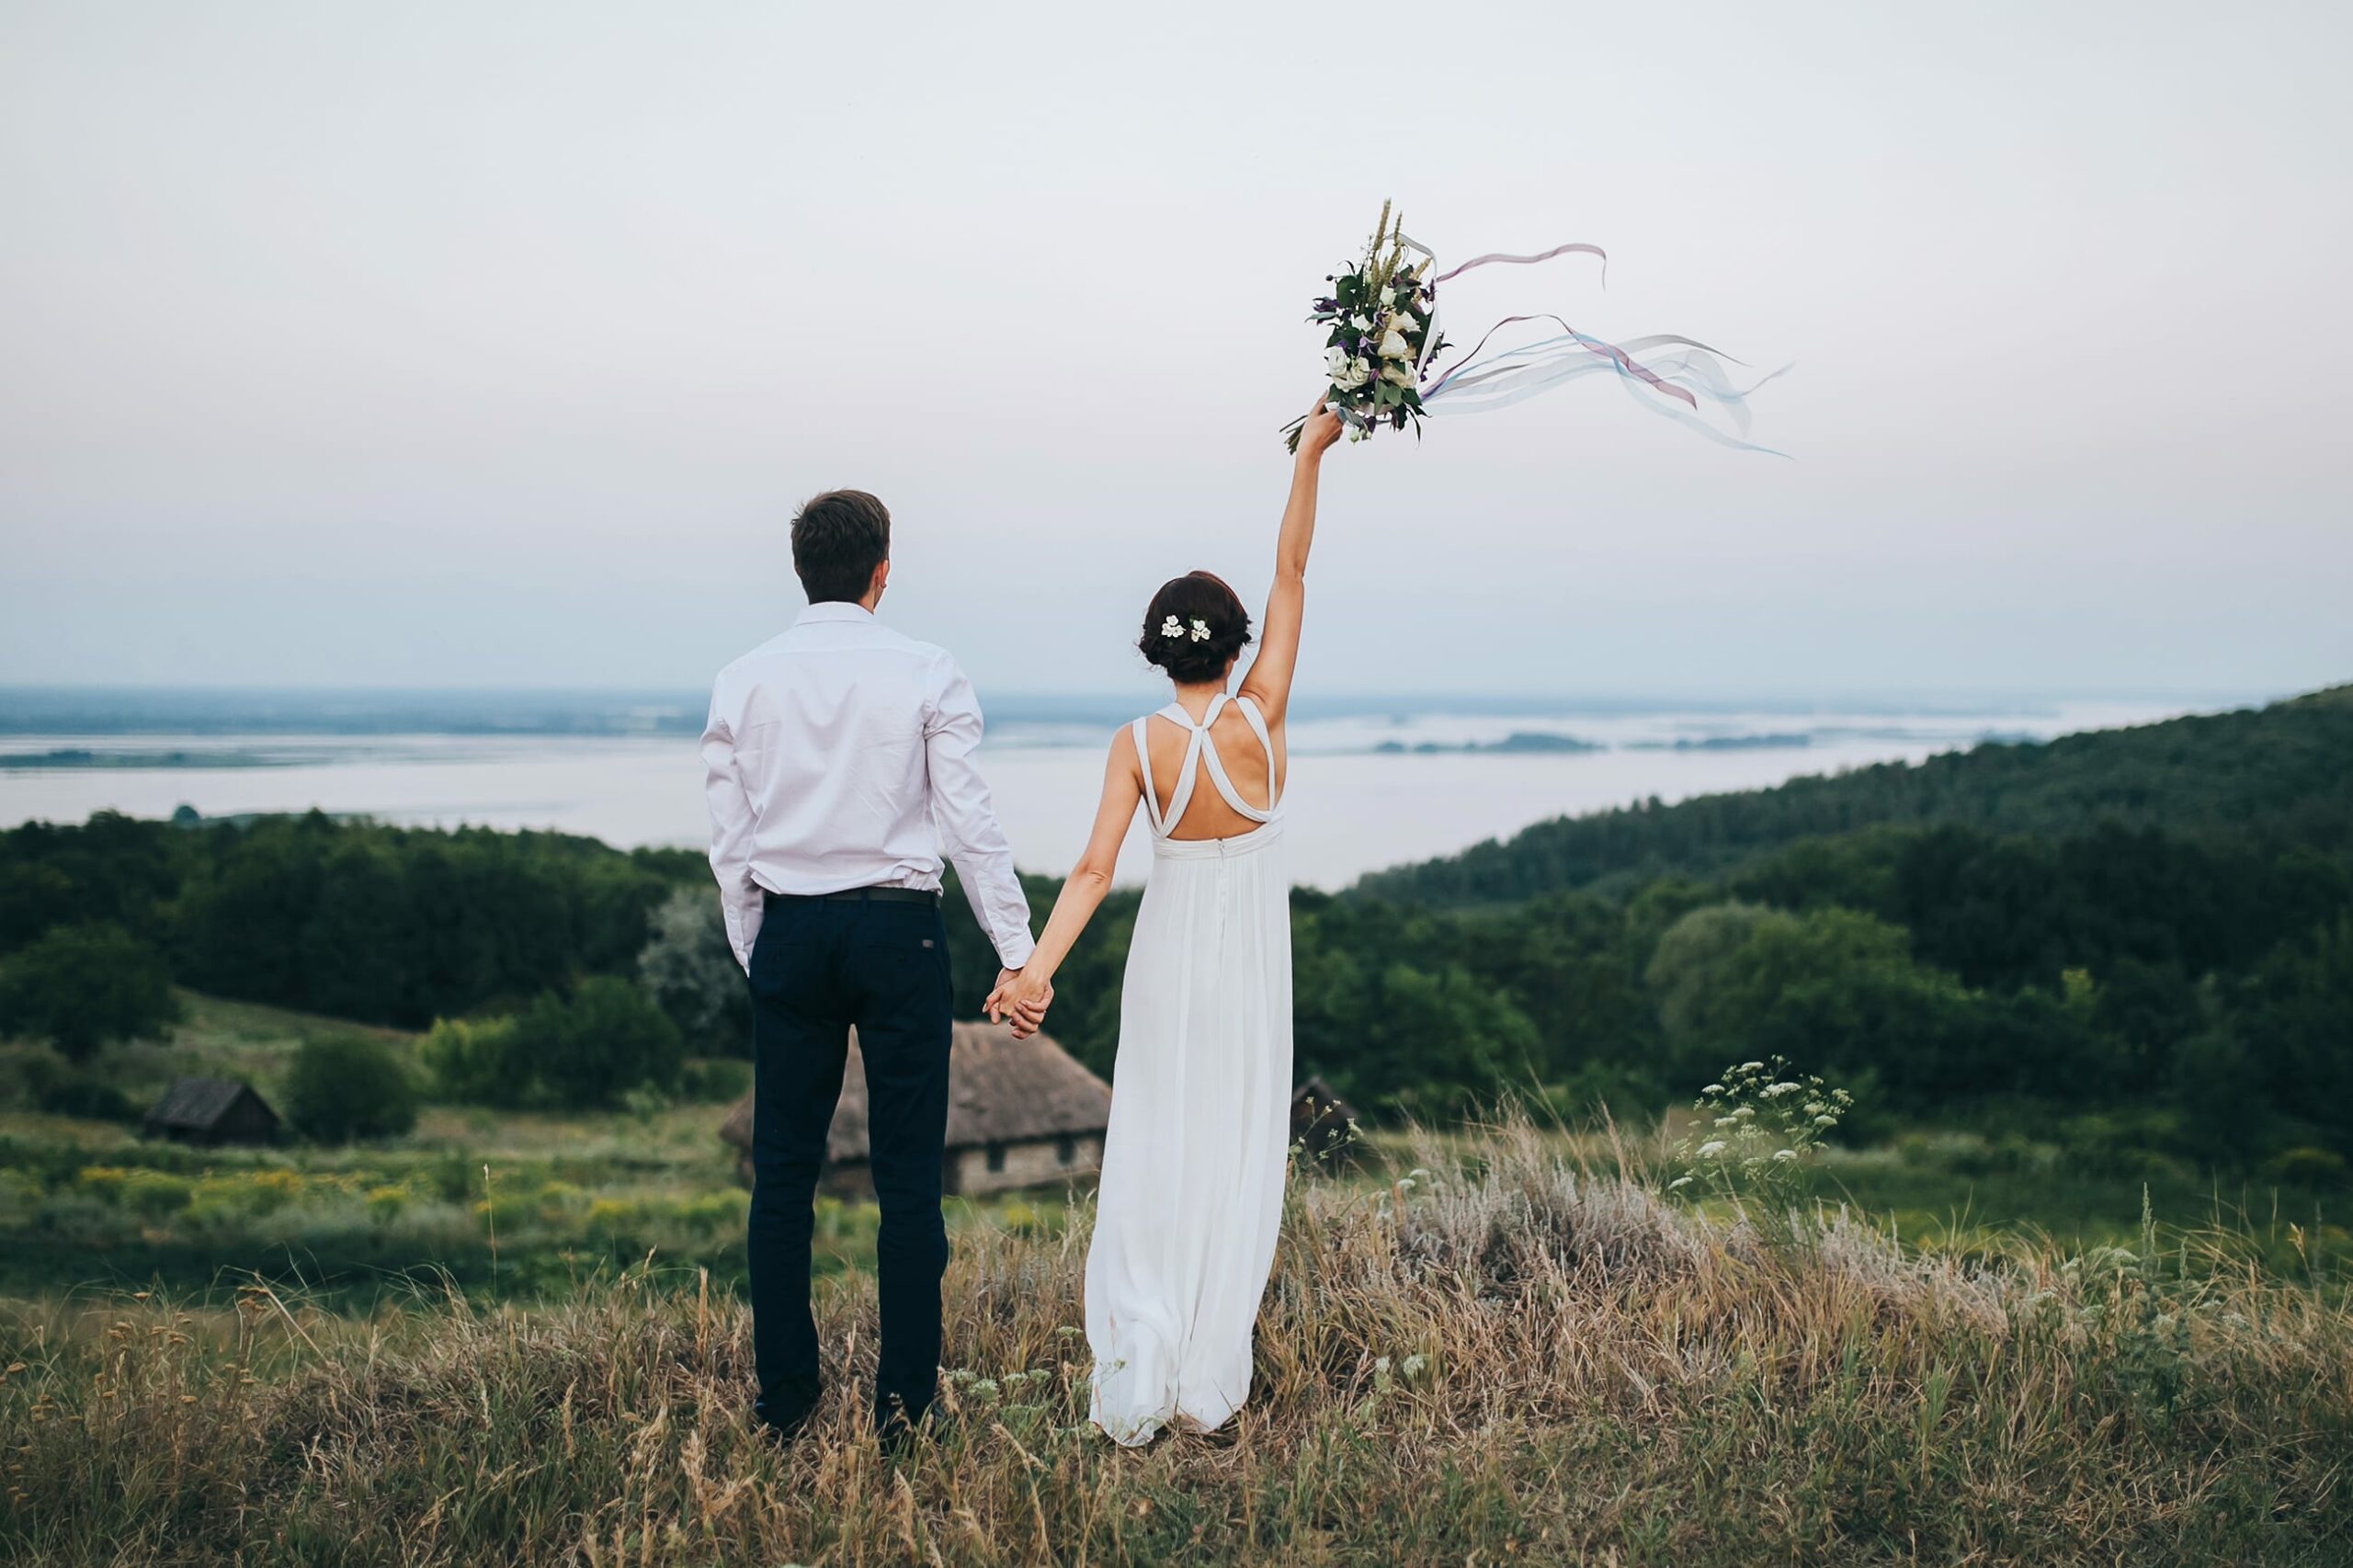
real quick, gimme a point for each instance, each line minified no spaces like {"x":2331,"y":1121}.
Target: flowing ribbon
{"x":1509,"y":376}
{"x":1524,"y":260}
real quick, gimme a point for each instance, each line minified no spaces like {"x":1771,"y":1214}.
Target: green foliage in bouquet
{"x":1380,"y":322}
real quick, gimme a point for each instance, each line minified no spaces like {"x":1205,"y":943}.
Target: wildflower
{"x":1711,"y":1148}
{"x":1713,"y":1089}
{"x":1825,"y":1121}
{"x":1782,"y":1154}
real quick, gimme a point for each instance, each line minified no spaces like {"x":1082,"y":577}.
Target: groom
{"x":833,"y":753}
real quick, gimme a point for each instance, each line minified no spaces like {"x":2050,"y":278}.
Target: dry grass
{"x":1511,"y":1359}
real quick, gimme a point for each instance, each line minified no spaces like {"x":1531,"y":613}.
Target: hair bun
{"x":1194,"y":628}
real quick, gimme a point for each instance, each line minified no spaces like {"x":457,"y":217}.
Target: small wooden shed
{"x":1020,"y":1113}
{"x":211,"y":1110}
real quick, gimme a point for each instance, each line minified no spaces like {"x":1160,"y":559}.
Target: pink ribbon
{"x":1523,"y":260}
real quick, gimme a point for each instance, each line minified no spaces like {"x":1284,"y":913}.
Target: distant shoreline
{"x":51,"y":711}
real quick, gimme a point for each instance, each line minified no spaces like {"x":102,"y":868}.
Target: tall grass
{"x":1501,"y":1354}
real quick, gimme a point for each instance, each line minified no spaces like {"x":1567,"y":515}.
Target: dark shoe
{"x":895,"y":1434}
{"x":781,"y":1419}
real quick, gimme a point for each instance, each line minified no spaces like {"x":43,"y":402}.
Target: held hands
{"x":1022,"y":997}
{"x":1320,"y":430}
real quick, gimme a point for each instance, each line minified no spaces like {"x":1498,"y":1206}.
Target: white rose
{"x":1394,"y":347}
{"x":1352,"y":375}
{"x":1336,"y":359}
{"x":1403,"y":321}
{"x":1361,"y":321}
{"x":1399,"y":373}
{"x":1389,"y":296}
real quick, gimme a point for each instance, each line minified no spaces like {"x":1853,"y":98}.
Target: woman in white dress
{"x":1193,"y":1164}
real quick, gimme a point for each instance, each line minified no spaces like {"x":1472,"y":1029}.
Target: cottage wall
{"x":1037,"y":1163}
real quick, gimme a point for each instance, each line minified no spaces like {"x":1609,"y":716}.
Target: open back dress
{"x":1194,"y":1161}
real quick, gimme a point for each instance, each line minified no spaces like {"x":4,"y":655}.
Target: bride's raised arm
{"x":1268,"y":682}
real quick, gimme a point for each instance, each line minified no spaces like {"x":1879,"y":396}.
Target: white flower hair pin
{"x":1170,"y":628}
{"x":1201,"y":630}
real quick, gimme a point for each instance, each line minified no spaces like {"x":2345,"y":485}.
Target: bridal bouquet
{"x":1382,"y":343}
{"x":1382,"y":332}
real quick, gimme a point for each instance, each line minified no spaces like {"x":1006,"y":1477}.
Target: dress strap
{"x":1143,"y":761}
{"x":1218,"y":778}
{"x":1257,"y":722}
{"x":1189,"y":771}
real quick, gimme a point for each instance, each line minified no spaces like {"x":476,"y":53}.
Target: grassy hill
{"x":2276,"y":775}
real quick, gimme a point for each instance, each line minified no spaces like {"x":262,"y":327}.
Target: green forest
{"x":2139,"y":939}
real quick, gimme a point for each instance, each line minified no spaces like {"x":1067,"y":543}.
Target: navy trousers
{"x":819,"y":967}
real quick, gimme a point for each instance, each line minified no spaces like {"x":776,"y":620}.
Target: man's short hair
{"x":838,"y":539}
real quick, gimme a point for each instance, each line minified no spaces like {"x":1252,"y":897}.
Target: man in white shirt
{"x":839,"y":766}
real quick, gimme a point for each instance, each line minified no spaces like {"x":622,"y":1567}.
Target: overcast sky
{"x":493,"y":344}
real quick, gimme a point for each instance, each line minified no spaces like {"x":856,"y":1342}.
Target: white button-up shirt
{"x":833,"y":753}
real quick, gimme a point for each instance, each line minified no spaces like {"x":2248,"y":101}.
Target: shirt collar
{"x":836,"y":610}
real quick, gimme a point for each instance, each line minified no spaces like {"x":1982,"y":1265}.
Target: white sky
{"x":465,"y":344}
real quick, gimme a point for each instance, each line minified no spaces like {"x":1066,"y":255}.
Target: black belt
{"x":854,"y":895}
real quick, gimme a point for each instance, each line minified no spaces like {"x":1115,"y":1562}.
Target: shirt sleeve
{"x":966,"y":821}
{"x":731,"y":835}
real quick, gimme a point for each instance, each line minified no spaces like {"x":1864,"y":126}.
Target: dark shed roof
{"x":200,"y":1104}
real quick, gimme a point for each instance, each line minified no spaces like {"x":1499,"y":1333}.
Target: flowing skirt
{"x":1193,"y":1164}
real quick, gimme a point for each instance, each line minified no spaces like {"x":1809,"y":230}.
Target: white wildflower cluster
{"x":1762,"y":1124}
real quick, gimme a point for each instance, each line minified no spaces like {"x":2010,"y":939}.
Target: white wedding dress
{"x":1193,"y":1164}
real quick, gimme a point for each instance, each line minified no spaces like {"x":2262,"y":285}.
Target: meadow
{"x":1503,"y":1353}
{"x":532,"y":1206}
{"x":519,"y":1337}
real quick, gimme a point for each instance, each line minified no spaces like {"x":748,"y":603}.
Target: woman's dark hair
{"x":1195,"y":601}
{"x":838,"y":539}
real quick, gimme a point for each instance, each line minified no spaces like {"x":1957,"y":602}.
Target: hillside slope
{"x":2278,"y":775}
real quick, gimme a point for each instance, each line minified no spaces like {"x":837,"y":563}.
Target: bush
{"x":690,"y":971}
{"x":473,"y":1062}
{"x":715,"y":1081}
{"x":2304,"y":1166}
{"x":80,"y":986}
{"x":75,"y":1093}
{"x":588,"y":1049}
{"x":347,"y":1087}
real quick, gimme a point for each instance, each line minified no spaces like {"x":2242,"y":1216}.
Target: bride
{"x":1193,"y":1163}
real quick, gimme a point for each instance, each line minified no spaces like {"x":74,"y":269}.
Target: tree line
{"x":2155,"y":923}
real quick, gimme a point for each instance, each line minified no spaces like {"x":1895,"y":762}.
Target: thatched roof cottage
{"x":211,"y":1110}
{"x":1020,"y":1113}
